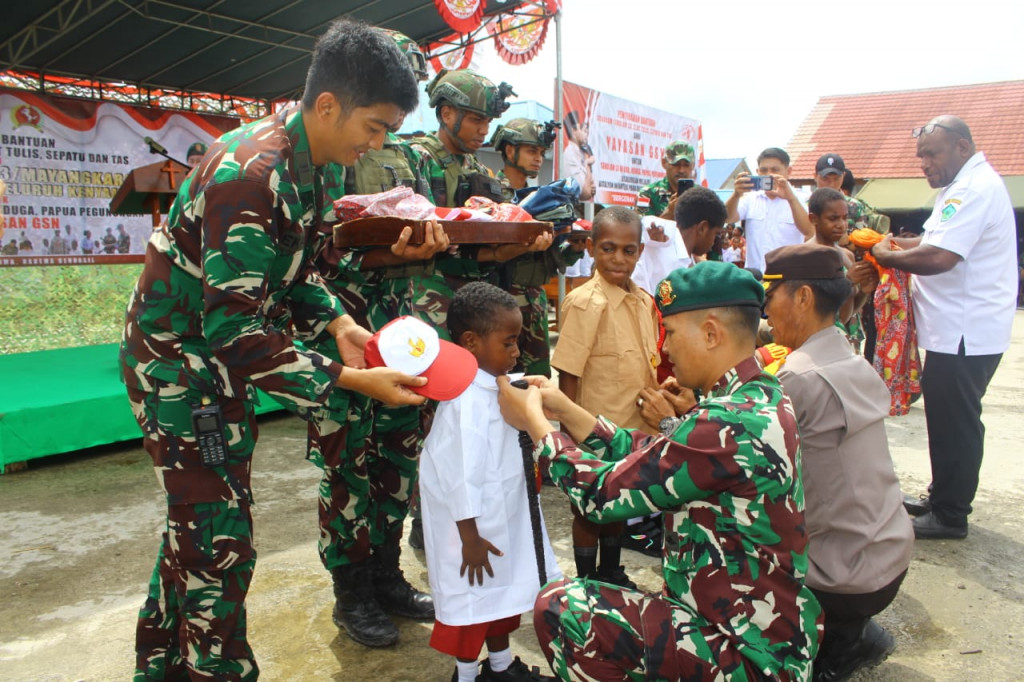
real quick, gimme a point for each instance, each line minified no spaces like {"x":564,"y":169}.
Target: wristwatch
{"x":668,"y":425}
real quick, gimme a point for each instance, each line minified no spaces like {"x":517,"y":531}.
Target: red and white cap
{"x":413,"y":347}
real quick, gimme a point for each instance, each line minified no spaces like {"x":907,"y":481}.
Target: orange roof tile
{"x":872,"y":131}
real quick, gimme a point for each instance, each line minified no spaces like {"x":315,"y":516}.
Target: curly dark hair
{"x":475,"y":307}
{"x":697,"y":204}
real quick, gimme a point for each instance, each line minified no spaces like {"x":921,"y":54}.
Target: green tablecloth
{"x":58,"y":401}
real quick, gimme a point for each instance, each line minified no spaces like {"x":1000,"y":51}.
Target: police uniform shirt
{"x":975,"y":300}
{"x":860,"y":538}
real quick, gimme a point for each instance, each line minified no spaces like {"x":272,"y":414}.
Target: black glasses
{"x":928,"y":130}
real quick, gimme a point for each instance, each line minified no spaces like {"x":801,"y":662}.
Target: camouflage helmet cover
{"x":468,"y":90}
{"x":516,"y":132}
{"x":412,"y":51}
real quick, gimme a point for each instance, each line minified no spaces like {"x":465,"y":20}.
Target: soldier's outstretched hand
{"x":387,"y":385}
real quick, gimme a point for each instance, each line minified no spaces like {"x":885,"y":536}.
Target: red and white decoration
{"x":463,"y":16}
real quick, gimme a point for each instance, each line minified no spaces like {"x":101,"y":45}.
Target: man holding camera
{"x":773,"y":216}
{"x":678,"y":164}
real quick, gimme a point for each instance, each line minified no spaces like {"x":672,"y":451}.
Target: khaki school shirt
{"x":608,"y":337}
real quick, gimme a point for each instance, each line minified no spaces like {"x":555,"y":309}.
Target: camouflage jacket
{"x":859,"y":214}
{"x":232,"y":270}
{"x":656,"y":195}
{"x":507,"y":190}
{"x":728,"y":482}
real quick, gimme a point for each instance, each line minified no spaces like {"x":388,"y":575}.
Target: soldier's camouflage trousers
{"x":192,"y":625}
{"x":594,"y":631}
{"x":534,"y":340}
{"x":369,"y":467}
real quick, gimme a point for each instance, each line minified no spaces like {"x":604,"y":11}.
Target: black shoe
{"x":356,"y":610}
{"x":643,"y":539}
{"x":615,"y":576}
{"x":517,"y":672}
{"x":916,"y":506}
{"x":930,"y":527}
{"x":416,"y":534}
{"x":393,"y":592}
{"x":873,"y":647}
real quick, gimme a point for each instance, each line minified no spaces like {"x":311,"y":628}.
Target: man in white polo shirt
{"x":772,"y":218}
{"x":964,"y":294}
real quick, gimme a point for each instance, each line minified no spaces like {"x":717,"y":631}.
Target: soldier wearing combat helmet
{"x":522,"y":143}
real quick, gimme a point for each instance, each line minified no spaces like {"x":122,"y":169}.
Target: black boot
{"x":393,"y":591}
{"x":356,"y":610}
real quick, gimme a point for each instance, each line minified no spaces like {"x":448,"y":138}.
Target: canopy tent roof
{"x":246,"y":48}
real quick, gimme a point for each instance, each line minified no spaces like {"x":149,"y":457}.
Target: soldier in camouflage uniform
{"x":226,"y":279}
{"x":727,"y":477}
{"x":678,"y":164}
{"x":522,"y":144}
{"x":368,"y":451}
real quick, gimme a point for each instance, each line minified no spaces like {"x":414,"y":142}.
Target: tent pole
{"x":559,"y":116}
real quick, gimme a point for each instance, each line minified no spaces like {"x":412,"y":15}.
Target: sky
{"x":751,"y":71}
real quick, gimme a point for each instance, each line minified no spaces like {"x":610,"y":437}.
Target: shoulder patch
{"x":949,"y":210}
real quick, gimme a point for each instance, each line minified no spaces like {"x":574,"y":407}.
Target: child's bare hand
{"x":476,"y":557}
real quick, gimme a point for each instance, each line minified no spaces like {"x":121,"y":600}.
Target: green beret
{"x":196,"y":149}
{"x":711,"y":284}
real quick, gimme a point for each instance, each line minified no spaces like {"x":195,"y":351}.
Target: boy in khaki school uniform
{"x":606,"y":354}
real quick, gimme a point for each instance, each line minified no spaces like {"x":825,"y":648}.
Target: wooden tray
{"x":384,"y":231}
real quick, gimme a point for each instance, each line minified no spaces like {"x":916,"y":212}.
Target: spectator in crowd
{"x":771,"y":218}
{"x":577,"y":156}
{"x":699,"y":216}
{"x":964,"y":291}
{"x":826,"y":210}
{"x":849,"y":183}
{"x":733,"y":604}
{"x":677,"y":161}
{"x":860,"y":537}
{"x":606,"y":353}
{"x":24,"y":244}
{"x":830,"y":171}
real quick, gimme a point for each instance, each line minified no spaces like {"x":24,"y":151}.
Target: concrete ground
{"x":78,"y":536}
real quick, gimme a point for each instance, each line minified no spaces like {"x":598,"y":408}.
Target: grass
{"x":43,"y":308}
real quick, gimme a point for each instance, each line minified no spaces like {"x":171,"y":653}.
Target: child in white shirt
{"x":476,"y":516}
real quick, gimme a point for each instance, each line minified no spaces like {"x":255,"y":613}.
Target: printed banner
{"x":613,"y":147}
{"x":62,"y":161}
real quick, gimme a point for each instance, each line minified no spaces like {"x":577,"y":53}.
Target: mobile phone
{"x":519,"y":383}
{"x":683,"y":184}
{"x":209,"y":430}
{"x":765,"y":182}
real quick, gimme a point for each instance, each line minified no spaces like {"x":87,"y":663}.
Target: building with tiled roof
{"x":872,"y":133}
